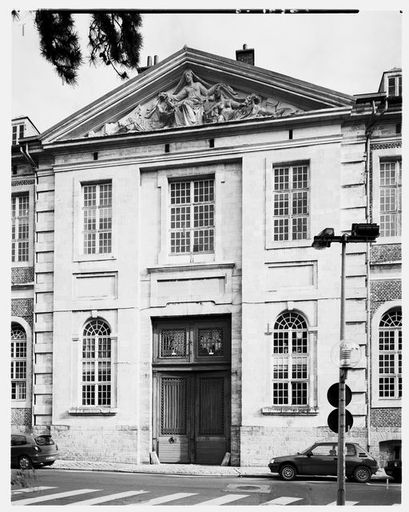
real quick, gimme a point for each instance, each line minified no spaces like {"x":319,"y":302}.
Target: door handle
{"x":171,"y":440}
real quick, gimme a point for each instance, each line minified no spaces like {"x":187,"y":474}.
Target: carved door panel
{"x":211,"y":432}
{"x":174,"y":421}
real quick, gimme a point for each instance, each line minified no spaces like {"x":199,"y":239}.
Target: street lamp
{"x":360,"y":233}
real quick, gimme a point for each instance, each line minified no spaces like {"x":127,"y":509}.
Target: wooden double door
{"x":192,"y":416}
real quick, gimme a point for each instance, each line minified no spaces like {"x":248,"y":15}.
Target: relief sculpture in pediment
{"x":194,"y":102}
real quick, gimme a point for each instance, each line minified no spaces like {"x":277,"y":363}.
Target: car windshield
{"x":307,"y":450}
{"x":44,"y":440}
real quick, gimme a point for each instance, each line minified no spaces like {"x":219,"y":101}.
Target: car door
{"x":323,"y":460}
{"x":18,"y":442}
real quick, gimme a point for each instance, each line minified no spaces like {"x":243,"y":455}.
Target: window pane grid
{"x":290,"y":362}
{"x":390,"y":194}
{"x":20,"y":227}
{"x":192,"y":219}
{"x":96,"y":364}
{"x":97,"y":218}
{"x":290,"y":208}
{"x":18,"y":363}
{"x":390,"y":355}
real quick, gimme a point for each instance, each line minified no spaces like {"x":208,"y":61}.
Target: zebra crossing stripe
{"x":282,"y":500}
{"x":30,"y":489}
{"x":165,"y":499}
{"x":109,"y":497}
{"x":223,"y":499}
{"x":346,"y":503}
{"x":49,"y":497}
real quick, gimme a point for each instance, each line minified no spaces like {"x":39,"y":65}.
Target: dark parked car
{"x":393,"y":468}
{"x":28,"y":451}
{"x":321,"y":459}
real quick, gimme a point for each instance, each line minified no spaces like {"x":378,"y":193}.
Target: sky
{"x":344,"y":52}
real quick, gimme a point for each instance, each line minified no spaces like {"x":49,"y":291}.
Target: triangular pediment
{"x":192,"y":88}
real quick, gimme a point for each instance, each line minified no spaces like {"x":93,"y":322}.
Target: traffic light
{"x":333,"y":397}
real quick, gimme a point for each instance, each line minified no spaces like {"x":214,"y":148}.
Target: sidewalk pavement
{"x":175,"y":469}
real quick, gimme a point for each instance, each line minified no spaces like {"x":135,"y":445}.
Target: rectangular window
{"x":20,"y":227}
{"x":390,"y":197}
{"x":97,"y":217}
{"x":18,"y":372}
{"x":395,"y":85}
{"x":290,"y":202}
{"x":96,"y":371}
{"x":290,"y":368}
{"x":390,"y":363}
{"x":192,"y":216}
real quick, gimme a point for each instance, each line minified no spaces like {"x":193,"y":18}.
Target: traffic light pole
{"x":341,"y":390}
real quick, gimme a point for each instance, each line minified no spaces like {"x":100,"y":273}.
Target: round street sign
{"x":333,"y":420}
{"x":333,"y":397}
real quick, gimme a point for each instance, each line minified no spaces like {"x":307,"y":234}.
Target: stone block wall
{"x":260,"y":444}
{"x":114,"y":444}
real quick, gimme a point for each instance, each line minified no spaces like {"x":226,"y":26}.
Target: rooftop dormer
{"x":391,"y":83}
{"x":22,"y":127}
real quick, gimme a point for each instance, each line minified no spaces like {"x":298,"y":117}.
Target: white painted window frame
{"x":164,"y":177}
{"x":76,"y":365}
{"x":378,"y":401}
{"x":378,"y":156}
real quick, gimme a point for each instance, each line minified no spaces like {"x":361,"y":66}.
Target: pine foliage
{"x":59,"y":43}
{"x":114,"y":39}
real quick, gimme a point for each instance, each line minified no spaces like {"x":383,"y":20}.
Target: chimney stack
{"x":155,"y":60}
{"x":245,"y":55}
{"x":149,"y":62}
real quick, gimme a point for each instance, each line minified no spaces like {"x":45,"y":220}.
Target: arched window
{"x":390,"y":354}
{"x":96,"y":363}
{"x":18,"y":362}
{"x":290,"y":360}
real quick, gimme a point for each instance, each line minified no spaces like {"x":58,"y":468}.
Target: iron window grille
{"x":390,"y":354}
{"x":291,"y":198}
{"x":390,"y":196}
{"x":173,"y":343}
{"x":18,"y":363}
{"x":210,"y":342}
{"x":290,"y":361}
{"x":96,"y":364}
{"x":192,"y":211}
{"x":97,"y":218}
{"x":20,"y":230}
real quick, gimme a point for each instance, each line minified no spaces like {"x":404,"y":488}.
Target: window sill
{"x":94,"y":257}
{"x":289,"y":411}
{"x":92,"y":411}
{"x":288,"y":244}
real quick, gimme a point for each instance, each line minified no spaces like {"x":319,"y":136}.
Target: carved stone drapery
{"x":194,"y":102}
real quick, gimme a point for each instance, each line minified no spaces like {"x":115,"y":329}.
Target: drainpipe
{"x":27,"y":155}
{"x":368,"y":290}
{"x":376,"y":115}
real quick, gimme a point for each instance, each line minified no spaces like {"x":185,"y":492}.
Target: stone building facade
{"x":179,"y":307}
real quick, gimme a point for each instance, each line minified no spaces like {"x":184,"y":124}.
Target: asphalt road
{"x":61,"y":487}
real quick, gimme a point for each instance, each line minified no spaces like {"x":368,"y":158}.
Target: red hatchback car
{"x":28,"y":451}
{"x":321,"y":459}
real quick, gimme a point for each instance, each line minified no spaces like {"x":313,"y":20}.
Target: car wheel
{"x":287,"y":472}
{"x":24,"y":462}
{"x":362,"y":474}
